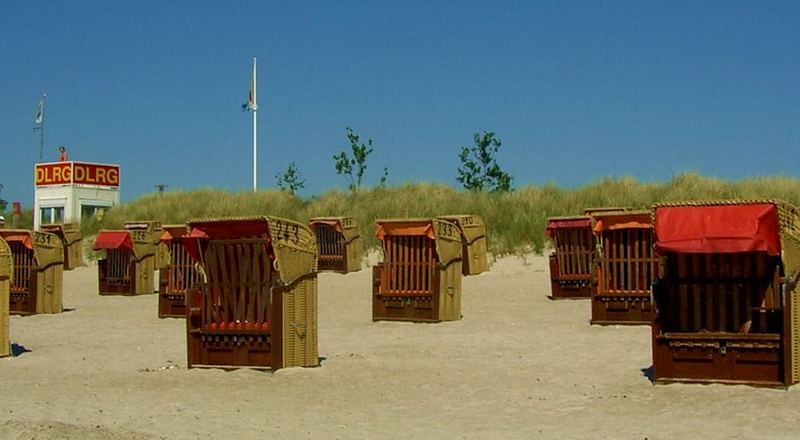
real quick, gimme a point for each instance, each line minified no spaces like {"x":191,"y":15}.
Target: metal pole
{"x":255,"y":130}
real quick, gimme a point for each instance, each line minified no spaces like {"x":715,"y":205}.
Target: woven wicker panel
{"x":602,"y":209}
{"x":450,"y":292}
{"x":6,"y":272}
{"x":70,"y":232}
{"x":300,"y":346}
{"x":295,"y":248}
{"x":448,"y":241}
{"x":50,"y":286}
{"x":146,"y":236}
{"x":473,"y":234}
{"x":48,"y":249}
{"x":794,"y":339}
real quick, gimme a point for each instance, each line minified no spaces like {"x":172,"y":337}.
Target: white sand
{"x":516,"y":366}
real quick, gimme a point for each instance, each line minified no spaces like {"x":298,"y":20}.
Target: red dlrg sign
{"x":65,"y":173}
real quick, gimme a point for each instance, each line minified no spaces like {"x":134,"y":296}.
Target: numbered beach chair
{"x":724,"y":310}
{"x":36,"y":285}
{"x":6,"y":274}
{"x":71,"y":238}
{"x":176,"y":279}
{"x":258,"y":306}
{"x":420,"y":276}
{"x":473,"y":242}
{"x":128,"y":267}
{"x":625,"y":267}
{"x":339,"y":243}
{"x":571,"y":263}
{"x":153,"y":231}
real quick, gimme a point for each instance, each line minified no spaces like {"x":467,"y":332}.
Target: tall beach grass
{"x":515,"y":220}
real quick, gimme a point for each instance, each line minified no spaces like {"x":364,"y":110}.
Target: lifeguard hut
{"x":70,"y":191}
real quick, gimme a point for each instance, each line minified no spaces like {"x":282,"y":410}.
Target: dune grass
{"x":515,"y":220}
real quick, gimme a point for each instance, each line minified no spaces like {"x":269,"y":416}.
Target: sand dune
{"x":516,"y":366}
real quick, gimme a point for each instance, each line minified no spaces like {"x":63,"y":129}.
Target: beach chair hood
{"x":293,"y":244}
{"x":445,"y":233}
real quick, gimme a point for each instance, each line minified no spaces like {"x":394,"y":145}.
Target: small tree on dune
{"x":290,"y":180}
{"x":479,"y":170}
{"x":354,"y":166}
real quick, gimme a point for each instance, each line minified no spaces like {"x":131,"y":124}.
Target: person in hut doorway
{"x":62,"y":154}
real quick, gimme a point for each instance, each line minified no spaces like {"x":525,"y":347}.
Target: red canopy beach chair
{"x":128,"y":267}
{"x":723,"y":312}
{"x":420,"y":276}
{"x":37,"y":281}
{"x":626,"y":267}
{"x":258,"y":306}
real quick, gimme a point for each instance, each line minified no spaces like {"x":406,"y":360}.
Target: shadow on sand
{"x":648,"y":373}
{"x":18,"y":350}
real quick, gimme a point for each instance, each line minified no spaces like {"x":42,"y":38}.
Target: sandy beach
{"x":518,"y":365}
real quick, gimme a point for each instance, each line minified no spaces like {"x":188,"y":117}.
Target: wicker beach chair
{"x":420,"y":276}
{"x":38,"y":271}
{"x":339,"y":243}
{"x":571,"y":263}
{"x":725,"y":308}
{"x":474,"y":259}
{"x":176,"y":279}
{"x":128,"y":267}
{"x":6,"y":277}
{"x":625,"y":267}
{"x":153,"y":232}
{"x":71,"y":238}
{"x":258,"y":305}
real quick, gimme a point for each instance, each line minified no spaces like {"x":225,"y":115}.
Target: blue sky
{"x":575,"y":90}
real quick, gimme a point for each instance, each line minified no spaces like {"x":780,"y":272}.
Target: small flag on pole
{"x":38,"y":116}
{"x":251,"y":104}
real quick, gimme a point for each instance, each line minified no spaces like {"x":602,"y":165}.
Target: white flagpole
{"x":255,"y":129}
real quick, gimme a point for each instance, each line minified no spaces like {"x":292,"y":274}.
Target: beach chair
{"x":420,"y":276}
{"x":258,"y":305}
{"x":474,"y":259}
{"x":176,"y":279}
{"x":128,"y":267}
{"x":723,"y":309}
{"x":154,"y":231}
{"x":37,"y":282}
{"x":6,"y":274}
{"x":339,"y":243}
{"x":571,"y":263}
{"x":72,"y":240}
{"x":625,"y":267}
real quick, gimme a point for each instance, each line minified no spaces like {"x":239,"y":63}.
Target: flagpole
{"x":41,"y":133}
{"x":255,"y":130}
{"x":41,"y":127}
